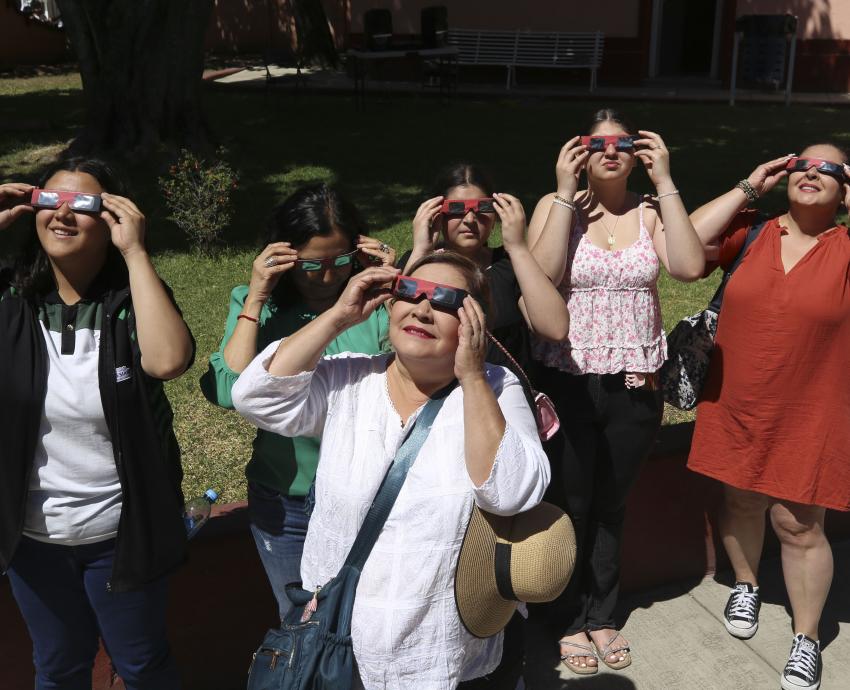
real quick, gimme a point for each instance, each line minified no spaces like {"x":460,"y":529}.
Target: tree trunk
{"x":141,"y":63}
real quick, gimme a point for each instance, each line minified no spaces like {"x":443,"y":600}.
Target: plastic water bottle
{"x":197,"y":512}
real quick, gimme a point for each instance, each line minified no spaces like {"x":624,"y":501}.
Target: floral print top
{"x":615,"y":315}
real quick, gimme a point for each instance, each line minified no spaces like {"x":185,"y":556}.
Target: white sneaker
{"x":803,"y":670}
{"x":742,"y":611}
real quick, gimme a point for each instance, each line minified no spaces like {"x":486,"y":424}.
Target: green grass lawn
{"x":385,"y":157}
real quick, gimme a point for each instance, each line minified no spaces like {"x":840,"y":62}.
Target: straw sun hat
{"x":527,"y":557}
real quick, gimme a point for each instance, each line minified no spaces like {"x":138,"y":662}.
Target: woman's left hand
{"x":512,"y":215}
{"x":655,"y":156}
{"x":847,"y":188}
{"x":125,"y":221}
{"x":472,"y":341}
{"x":373,"y":252}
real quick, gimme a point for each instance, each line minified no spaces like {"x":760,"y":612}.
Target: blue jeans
{"x":62,"y":594}
{"x":279,"y":525}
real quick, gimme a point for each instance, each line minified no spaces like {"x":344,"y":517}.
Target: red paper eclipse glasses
{"x":460,"y":207}
{"x":621,"y":142}
{"x":836,"y":170}
{"x":440,"y":296}
{"x":81,"y":202}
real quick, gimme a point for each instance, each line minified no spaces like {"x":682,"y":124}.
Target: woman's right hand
{"x":275,"y":260}
{"x":767,"y":175}
{"x":424,"y":234}
{"x":571,"y":161}
{"x":363,"y":294}
{"x":9,"y":194}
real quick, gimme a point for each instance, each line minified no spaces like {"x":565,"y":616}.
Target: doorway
{"x":685,"y":38}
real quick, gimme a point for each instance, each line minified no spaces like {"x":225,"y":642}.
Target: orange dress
{"x":774,"y":415}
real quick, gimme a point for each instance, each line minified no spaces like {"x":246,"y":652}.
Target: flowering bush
{"x":198,"y":195}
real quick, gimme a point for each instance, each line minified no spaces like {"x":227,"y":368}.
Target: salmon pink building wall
{"x":25,"y":42}
{"x":823,"y":31}
{"x":613,"y":17}
{"x":818,"y":19}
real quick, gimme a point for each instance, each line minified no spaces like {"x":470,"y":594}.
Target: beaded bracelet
{"x":745,"y":186}
{"x":566,"y":203}
{"x":247,"y":318}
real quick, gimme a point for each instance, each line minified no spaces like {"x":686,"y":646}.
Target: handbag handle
{"x":752,"y":234}
{"x":393,"y":481}
{"x":518,"y":368}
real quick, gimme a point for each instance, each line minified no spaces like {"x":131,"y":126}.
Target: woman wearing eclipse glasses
{"x":315,"y":242}
{"x":461,"y":218}
{"x":772,"y":423}
{"x":483,"y":448}
{"x":90,"y":474}
{"x":604,"y":246}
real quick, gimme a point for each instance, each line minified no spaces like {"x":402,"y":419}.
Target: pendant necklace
{"x":611,"y":238}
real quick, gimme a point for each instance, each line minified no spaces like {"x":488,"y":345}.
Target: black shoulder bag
{"x":690,"y":343}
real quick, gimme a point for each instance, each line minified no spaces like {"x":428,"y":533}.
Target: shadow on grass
{"x":387,"y":155}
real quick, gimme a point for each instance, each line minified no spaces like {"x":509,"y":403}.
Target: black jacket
{"x":151,"y":538}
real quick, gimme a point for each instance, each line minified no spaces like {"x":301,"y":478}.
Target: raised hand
{"x":472,"y":341}
{"x":374,"y":252}
{"x":425,"y":235}
{"x":271,"y":263}
{"x":511,"y":213}
{"x":655,"y":157}
{"x":847,"y":188}
{"x":126,"y":223}
{"x":767,"y":175}
{"x":571,"y":161}
{"x":9,"y":194}
{"x":364,"y":293}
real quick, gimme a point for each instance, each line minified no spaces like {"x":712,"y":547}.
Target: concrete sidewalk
{"x":679,"y":642}
{"x":332,"y":81}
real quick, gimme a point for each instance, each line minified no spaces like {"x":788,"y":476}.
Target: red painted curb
{"x":221,"y":603}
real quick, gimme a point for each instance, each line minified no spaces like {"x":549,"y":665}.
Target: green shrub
{"x":198,"y":195}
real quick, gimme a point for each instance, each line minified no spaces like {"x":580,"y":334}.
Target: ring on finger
{"x":385,"y":248}
{"x":270,"y":262}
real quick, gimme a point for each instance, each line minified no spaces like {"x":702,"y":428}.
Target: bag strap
{"x":752,"y":234}
{"x":393,"y":481}
{"x":519,"y":369}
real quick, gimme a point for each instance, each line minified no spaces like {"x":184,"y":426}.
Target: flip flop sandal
{"x":587,"y":651}
{"x":624,"y":658}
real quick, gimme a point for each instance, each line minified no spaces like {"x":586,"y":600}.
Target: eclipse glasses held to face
{"x":836,"y":170}
{"x":621,"y":142}
{"x":311,"y":265}
{"x":79,"y":202}
{"x":444,"y":297}
{"x":460,"y":207}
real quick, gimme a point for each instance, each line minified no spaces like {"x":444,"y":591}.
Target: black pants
{"x":608,"y":430}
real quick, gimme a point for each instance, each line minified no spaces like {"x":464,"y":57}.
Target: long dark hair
{"x":33,"y":275}
{"x":462,"y":174}
{"x":316,"y":210}
{"x":610,"y":115}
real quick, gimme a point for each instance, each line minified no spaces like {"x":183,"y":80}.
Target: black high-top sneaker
{"x":742,"y":611}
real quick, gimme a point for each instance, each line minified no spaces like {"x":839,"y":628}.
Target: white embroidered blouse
{"x":406,"y":630}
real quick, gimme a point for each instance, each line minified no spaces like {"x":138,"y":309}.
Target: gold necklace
{"x":611,"y":238}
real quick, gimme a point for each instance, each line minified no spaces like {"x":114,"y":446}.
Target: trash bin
{"x":764,"y":51}
{"x":765,"y":48}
